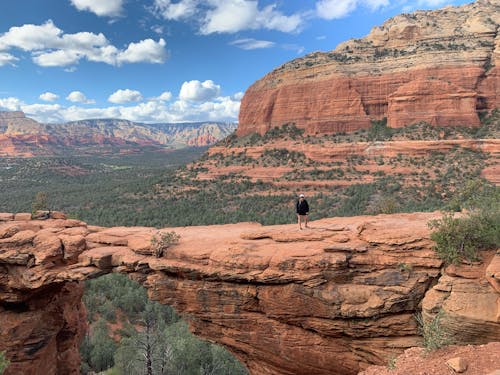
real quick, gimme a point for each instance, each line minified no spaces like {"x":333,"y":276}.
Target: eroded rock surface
{"x":437,"y":66}
{"x":329,"y":300}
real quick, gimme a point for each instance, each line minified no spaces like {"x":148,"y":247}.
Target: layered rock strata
{"x":25,"y":137}
{"x":441,"y":67}
{"x":328,"y":300}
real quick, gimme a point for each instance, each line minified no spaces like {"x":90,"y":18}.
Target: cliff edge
{"x":329,"y":300}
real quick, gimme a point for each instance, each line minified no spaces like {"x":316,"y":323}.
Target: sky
{"x":158,"y":61}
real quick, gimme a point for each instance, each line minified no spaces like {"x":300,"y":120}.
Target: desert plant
{"x":40,"y":203}
{"x":4,"y":362}
{"x":391,"y":362}
{"x":459,"y":238}
{"x":405,"y":267}
{"x":434,"y":334}
{"x":161,"y":241}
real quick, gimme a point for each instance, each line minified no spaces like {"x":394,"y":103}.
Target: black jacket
{"x":302,"y":207}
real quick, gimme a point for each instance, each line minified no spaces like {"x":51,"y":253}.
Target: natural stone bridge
{"x":329,"y":300}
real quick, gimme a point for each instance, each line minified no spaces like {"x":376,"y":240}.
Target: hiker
{"x":302,"y":209}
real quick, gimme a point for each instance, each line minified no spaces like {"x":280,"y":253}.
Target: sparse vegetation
{"x":4,"y":362}
{"x":162,"y":241}
{"x":391,"y":362}
{"x":461,"y":238}
{"x":40,"y":203}
{"x":433,"y":332}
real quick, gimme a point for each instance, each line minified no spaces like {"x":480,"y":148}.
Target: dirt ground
{"x":481,"y":360}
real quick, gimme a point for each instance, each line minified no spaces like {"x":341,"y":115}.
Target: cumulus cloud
{"x":250,"y":43}
{"x":228,"y":16}
{"x":332,"y":9}
{"x":10,"y":104}
{"x":109,"y":8}
{"x":197,"y":101}
{"x":50,"y":47}
{"x":153,"y":111}
{"x":79,"y":97}
{"x":49,"y":96}
{"x":164,"y":96}
{"x":199,"y":91}
{"x":231,"y":16}
{"x":125,"y":96}
{"x":145,"y":50}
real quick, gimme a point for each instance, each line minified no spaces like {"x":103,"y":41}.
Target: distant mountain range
{"x":23,"y":136}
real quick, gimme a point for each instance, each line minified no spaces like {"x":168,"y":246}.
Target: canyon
{"x":441,"y":67}
{"x":332,"y":299}
{"x":21,"y":136}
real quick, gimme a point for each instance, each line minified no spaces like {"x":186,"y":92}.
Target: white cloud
{"x":57,"y":58}
{"x":228,"y":16}
{"x":152,"y":111}
{"x":49,"y":96}
{"x":164,"y":96}
{"x":145,"y":50}
{"x":250,"y":43}
{"x":10,"y":104}
{"x":109,"y":8}
{"x":271,"y":19}
{"x":198,"y":101}
{"x":50,"y":47}
{"x":238,"y":96}
{"x":199,"y":91}
{"x":125,"y":96}
{"x":157,"y":29}
{"x":31,"y":37}
{"x":332,"y":9}
{"x":183,"y":9}
{"x":79,"y":97}
{"x":7,"y":59}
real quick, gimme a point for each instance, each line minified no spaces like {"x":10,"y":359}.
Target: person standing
{"x":302,"y":209}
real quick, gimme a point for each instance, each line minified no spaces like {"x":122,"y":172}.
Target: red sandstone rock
{"x":335,"y":298}
{"x":437,"y":66}
{"x":434,"y":102}
{"x":6,"y":216}
{"x":22,"y":216}
{"x":43,"y":335}
{"x":457,"y":364}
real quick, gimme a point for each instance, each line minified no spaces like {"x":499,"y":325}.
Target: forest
{"x":130,"y":335}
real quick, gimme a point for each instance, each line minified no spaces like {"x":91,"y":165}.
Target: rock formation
{"x":329,"y":300}
{"x":441,"y":67}
{"x":22,"y":136}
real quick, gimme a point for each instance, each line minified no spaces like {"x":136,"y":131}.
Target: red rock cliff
{"x":439,"y":66}
{"x":329,"y":300}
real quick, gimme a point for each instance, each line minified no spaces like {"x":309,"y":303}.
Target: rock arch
{"x":331,"y":300}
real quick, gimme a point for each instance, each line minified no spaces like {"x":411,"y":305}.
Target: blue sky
{"x":164,"y":60}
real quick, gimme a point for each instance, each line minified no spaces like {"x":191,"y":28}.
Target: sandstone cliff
{"x":329,"y":300}
{"x":439,"y":66}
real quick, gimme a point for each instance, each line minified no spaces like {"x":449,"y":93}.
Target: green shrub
{"x":435,"y":336}
{"x":461,"y":238}
{"x":162,"y":240}
{"x":4,"y":362}
{"x":40,"y":203}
